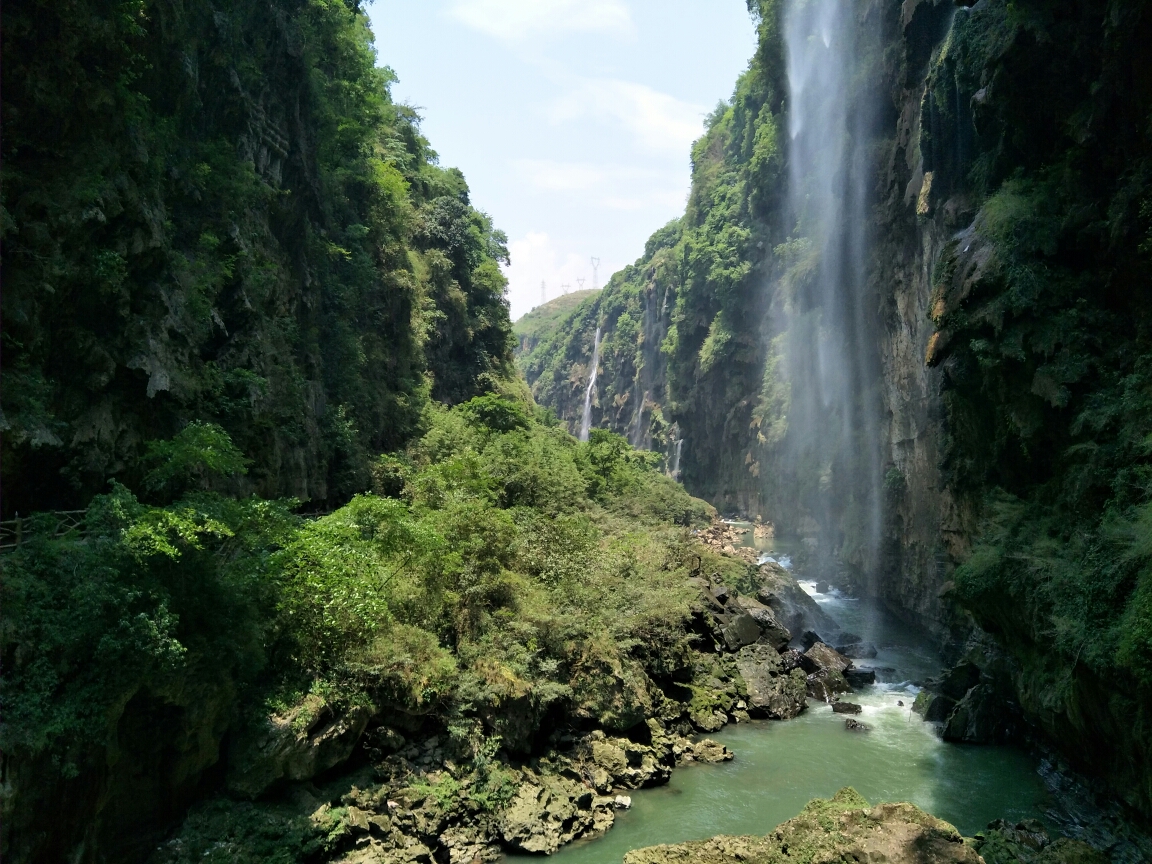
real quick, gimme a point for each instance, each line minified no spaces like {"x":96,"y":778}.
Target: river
{"x":781,"y":765}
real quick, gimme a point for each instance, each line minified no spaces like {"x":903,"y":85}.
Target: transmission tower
{"x":565,"y":286}
{"x":595,"y":274}
{"x":543,"y":293}
{"x":580,"y":282}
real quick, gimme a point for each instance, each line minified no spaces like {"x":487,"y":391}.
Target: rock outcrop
{"x":843,"y":828}
{"x":296,"y":745}
{"x":772,"y":692}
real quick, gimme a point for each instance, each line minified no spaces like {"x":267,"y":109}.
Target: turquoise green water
{"x":780,"y":766}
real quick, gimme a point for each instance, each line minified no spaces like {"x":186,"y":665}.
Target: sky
{"x":572,"y":120}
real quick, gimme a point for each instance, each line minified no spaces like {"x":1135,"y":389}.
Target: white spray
{"x":586,"y":420}
{"x":831,"y":355}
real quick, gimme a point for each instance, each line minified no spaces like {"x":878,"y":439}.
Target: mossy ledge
{"x":845,"y":828}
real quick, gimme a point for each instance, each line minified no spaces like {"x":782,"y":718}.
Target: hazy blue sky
{"x":571,"y":119}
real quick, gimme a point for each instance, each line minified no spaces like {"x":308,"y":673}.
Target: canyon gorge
{"x":839,"y":494}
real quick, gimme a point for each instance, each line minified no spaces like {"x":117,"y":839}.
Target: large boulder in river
{"x":821,"y":656}
{"x":546,"y":813}
{"x":983,"y":716}
{"x":844,"y":828}
{"x":957,"y":681}
{"x":825,"y":684}
{"x":793,"y":607}
{"x":772,"y":632}
{"x":740,"y":630}
{"x":933,"y":707}
{"x":772,"y":692}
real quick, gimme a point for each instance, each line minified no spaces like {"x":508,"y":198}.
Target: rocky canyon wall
{"x":1004,"y":153}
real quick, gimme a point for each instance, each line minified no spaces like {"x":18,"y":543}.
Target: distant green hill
{"x":542,"y":321}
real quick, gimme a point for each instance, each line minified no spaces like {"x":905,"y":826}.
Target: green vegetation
{"x":543,"y":321}
{"x":1045,"y":349}
{"x":683,"y":328}
{"x":514,"y":570}
{"x":221,"y":215}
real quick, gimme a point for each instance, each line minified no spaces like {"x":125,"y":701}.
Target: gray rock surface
{"x":302,"y":742}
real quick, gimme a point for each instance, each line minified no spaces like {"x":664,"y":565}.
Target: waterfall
{"x":830,"y":352}
{"x":675,"y":473}
{"x":586,"y":420}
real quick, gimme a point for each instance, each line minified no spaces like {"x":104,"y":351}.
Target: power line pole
{"x":595,"y":274}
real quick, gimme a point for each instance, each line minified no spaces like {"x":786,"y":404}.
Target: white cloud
{"x":536,"y":259}
{"x":515,"y":20}
{"x":547,"y":175}
{"x":609,"y":185}
{"x":656,"y":121}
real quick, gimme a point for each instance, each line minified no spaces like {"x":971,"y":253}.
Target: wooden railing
{"x":12,"y":531}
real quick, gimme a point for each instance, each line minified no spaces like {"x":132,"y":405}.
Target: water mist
{"x":829,"y":357}
{"x":586,"y":418}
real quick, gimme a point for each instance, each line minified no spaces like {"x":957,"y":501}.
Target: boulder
{"x":611,"y":758}
{"x":810,"y":638}
{"x":465,"y":846}
{"x":933,"y":707}
{"x":626,"y":763}
{"x":825,"y":684}
{"x":298,"y":744}
{"x":793,"y":606}
{"x":957,"y":681}
{"x":741,"y":630}
{"x":772,"y":632}
{"x":709,"y":751}
{"x":858,"y":678}
{"x":708,"y":721}
{"x":981,"y":717}
{"x":821,"y":656}
{"x":787,"y":697}
{"x":545,"y":814}
{"x":855,"y":725}
{"x":1028,"y":841}
{"x":790,"y":659}
{"x":844,"y":828}
{"x":846,"y":708}
{"x":771,"y":692}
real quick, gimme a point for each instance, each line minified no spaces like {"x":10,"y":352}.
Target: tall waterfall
{"x":830,"y":352}
{"x":586,"y":420}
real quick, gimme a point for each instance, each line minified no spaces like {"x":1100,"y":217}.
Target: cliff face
{"x":1005,"y":167}
{"x":631,"y":315}
{"x":221,"y":215}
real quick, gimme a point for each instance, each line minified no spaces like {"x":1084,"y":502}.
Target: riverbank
{"x":427,"y":795}
{"x":414,"y":800}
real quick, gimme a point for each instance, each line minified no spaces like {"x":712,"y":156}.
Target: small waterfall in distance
{"x":586,"y":420}
{"x":832,"y":449}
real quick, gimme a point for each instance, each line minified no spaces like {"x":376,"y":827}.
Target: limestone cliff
{"x":981,"y":462}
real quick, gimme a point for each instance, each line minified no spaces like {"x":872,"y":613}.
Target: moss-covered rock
{"x":843,"y":828}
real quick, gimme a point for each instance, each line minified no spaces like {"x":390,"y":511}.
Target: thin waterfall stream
{"x":831,"y":459}
{"x":586,"y":418}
